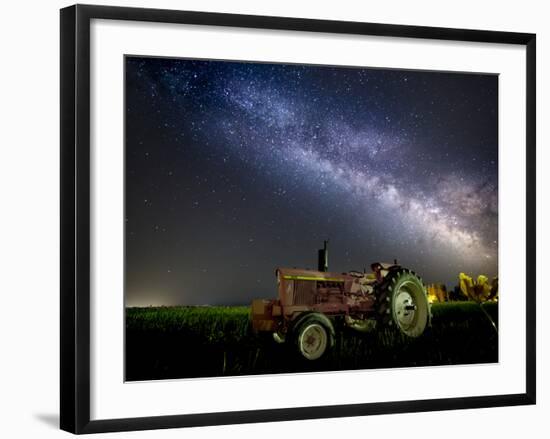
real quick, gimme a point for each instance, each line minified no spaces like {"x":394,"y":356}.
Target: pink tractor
{"x":310,"y":301}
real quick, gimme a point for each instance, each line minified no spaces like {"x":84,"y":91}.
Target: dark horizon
{"x":236,"y":168}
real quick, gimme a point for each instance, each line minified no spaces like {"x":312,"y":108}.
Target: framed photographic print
{"x":253,"y":202}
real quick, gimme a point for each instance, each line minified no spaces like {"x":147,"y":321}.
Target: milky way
{"x":235,"y":168}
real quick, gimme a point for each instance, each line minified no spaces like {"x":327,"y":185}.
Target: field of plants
{"x":185,"y":342}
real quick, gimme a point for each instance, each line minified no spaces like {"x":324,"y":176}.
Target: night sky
{"x":236,"y":168}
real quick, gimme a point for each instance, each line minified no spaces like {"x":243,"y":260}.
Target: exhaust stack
{"x":322,"y":264}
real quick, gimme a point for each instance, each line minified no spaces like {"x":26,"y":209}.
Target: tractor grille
{"x":304,"y":292}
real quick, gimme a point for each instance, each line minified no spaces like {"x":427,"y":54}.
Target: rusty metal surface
{"x":330,"y":293}
{"x":298,"y":286}
{"x":269,"y":325}
{"x":262,"y":315}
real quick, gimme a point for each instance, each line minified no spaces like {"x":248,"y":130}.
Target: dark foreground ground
{"x":185,"y":342}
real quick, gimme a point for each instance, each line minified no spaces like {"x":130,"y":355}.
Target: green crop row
{"x":180,"y":342}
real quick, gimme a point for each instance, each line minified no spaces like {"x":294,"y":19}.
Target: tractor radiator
{"x":304,"y":292}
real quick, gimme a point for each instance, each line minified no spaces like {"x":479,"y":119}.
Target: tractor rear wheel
{"x":403,"y":302}
{"x":313,"y":335}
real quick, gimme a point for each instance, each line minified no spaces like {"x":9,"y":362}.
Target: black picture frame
{"x":75,"y":217}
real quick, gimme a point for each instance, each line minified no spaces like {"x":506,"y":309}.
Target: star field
{"x":234,"y":169}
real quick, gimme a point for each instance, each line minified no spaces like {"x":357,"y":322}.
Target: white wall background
{"x":29,"y":200}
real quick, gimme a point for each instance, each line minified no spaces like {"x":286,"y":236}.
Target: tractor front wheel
{"x":313,"y":336}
